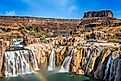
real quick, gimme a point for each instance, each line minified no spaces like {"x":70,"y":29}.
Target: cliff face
{"x":2,"y":51}
{"x":15,"y":22}
{"x":104,"y":64}
{"x":93,"y":60}
{"x":99,"y":18}
{"x":18,"y":26}
{"x":101,"y":22}
{"x":103,"y":13}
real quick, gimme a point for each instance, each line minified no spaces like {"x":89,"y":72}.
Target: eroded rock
{"x":102,"y":13}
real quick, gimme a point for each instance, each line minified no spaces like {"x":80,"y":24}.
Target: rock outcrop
{"x":99,"y":62}
{"x":102,"y":13}
{"x":19,"y":26}
{"x":2,"y":51}
{"x":15,"y":22}
{"x":101,"y":22}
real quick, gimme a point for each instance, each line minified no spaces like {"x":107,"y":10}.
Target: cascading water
{"x":33,"y":56}
{"x":67,"y":61}
{"x":107,"y":68}
{"x":52,"y":61}
{"x":88,"y":61}
{"x":18,"y":62}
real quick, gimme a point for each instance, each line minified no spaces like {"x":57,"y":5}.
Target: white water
{"x":51,"y":66}
{"x":66,"y":64}
{"x":107,"y":67}
{"x":35,"y":60}
{"x":18,"y":62}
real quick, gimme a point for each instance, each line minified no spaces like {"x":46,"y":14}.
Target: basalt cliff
{"x":101,"y":62}
{"x":100,"y":25}
{"x":72,"y":53}
{"x":103,"y":13}
{"x":97,"y":24}
{"x":19,"y":26}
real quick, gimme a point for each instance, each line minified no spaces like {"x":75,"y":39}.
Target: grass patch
{"x":114,"y":40}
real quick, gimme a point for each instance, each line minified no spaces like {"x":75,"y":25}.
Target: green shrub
{"x":114,"y":40}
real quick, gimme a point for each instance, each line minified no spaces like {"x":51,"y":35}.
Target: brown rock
{"x":103,"y":13}
{"x":2,"y":50}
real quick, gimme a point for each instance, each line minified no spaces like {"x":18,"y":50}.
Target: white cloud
{"x":73,"y":8}
{"x":10,"y":13}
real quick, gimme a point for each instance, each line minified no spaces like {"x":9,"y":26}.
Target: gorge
{"x":98,"y":62}
{"x":86,"y":47}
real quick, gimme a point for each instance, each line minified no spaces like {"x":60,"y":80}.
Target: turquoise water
{"x":70,"y":77}
{"x":27,"y":77}
{"x":51,"y":77}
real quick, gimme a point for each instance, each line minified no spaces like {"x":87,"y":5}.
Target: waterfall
{"x":18,"y":62}
{"x":34,"y":60}
{"x":65,"y":65}
{"x":88,"y":59}
{"x":107,"y":68}
{"x":52,"y":61}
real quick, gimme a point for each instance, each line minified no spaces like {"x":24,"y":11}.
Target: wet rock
{"x":104,"y":56}
{"x":76,"y":61}
{"x":2,"y":51}
{"x":80,"y":71}
{"x":113,"y":69}
{"x":107,"y":69}
{"x":101,"y":63}
{"x":118,"y":74}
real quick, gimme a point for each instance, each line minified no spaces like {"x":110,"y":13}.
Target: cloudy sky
{"x":57,"y":8}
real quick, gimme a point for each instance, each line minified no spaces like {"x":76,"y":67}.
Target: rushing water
{"x":66,"y":64}
{"x":52,"y":61}
{"x":19,"y":62}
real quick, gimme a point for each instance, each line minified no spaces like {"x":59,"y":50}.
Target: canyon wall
{"x":99,"y":62}
{"x":20,"y":26}
{"x":102,"y":13}
{"x":102,"y":22}
{"x":2,"y":51}
{"x":15,"y":22}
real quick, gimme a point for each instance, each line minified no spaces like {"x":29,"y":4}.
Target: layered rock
{"x":99,"y":62}
{"x":99,"y":23}
{"x":102,"y":13}
{"x":9,"y":23}
{"x":19,"y":26}
{"x":102,"y":64}
{"x":2,"y":51}
{"x":103,"y":21}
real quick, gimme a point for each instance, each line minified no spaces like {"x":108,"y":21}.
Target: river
{"x":50,"y":77}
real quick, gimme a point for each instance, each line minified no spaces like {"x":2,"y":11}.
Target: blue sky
{"x":57,"y":8}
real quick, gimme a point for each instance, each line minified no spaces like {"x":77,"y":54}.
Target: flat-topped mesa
{"x":102,"y":13}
